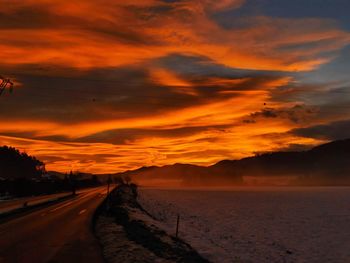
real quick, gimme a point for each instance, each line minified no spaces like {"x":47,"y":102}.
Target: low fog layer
{"x":326,"y":164}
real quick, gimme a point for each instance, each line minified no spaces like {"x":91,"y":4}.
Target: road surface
{"x":58,"y":233}
{"x":8,"y":205}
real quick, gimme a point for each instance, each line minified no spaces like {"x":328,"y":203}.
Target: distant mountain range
{"x":327,"y":164}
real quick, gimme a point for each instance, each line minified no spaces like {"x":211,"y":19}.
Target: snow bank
{"x":128,"y":234}
{"x":258,"y":225}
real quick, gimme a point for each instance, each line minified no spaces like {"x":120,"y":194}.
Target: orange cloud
{"x":205,"y":146}
{"x":90,"y":34}
{"x":150,"y":113}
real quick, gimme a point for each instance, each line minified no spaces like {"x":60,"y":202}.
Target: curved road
{"x":57,"y":233}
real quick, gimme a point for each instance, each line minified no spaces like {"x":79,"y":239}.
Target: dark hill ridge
{"x":327,"y":164}
{"x":179,"y":174}
{"x":336,"y":147}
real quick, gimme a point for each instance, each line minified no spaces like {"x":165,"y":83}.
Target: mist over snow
{"x":258,"y":224}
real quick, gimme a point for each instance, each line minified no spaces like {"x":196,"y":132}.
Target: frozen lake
{"x":287,"y":224}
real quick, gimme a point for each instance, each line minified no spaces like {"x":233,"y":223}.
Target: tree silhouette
{"x":14,"y":164}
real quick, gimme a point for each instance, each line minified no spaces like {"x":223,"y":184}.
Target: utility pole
{"x":109,"y":181}
{"x":5,"y":83}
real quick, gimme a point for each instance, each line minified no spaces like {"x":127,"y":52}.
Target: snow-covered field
{"x":258,"y":224}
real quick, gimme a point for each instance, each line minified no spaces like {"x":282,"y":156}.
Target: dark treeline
{"x":20,"y":187}
{"x":14,"y":164}
{"x":24,"y":175}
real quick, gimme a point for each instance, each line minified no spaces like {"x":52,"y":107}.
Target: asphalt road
{"x":17,"y":203}
{"x":8,"y":205}
{"x":58,"y":233}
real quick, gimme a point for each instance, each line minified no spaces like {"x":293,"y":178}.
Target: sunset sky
{"x":105,"y":86}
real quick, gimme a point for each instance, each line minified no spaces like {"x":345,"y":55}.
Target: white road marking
{"x":82,"y":211}
{"x":82,"y":196}
{"x":59,"y":207}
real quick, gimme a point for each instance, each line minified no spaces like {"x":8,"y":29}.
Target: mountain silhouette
{"x":327,"y":164}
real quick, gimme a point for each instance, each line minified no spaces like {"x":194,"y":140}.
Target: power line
{"x":5,"y":83}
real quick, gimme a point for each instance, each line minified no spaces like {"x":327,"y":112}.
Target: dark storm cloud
{"x":201,"y":66}
{"x":325,"y":94}
{"x":296,"y":114}
{"x":29,"y":17}
{"x":331,"y":131}
{"x":93,"y":95}
{"x":122,"y":136}
{"x":41,"y":17}
{"x":328,"y":101}
{"x":69,"y":95}
{"x":296,"y":92}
